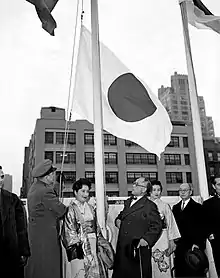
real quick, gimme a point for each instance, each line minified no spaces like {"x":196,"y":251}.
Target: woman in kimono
{"x":80,"y":233}
{"x":165,"y":246}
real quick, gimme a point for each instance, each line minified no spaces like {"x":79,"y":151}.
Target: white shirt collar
{"x":186,"y":202}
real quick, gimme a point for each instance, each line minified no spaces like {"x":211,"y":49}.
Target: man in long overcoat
{"x":14,"y":245}
{"x":188,"y":216}
{"x":44,"y":210}
{"x":211,"y":215}
{"x":140,"y":227}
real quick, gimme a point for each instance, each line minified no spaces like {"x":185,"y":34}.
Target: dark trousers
{"x":215,"y":243}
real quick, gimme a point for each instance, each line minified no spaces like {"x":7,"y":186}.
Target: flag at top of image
{"x":200,"y":17}
{"x":130,"y":110}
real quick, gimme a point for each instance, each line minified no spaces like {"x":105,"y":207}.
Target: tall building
{"x":176,"y":100}
{"x":124,"y":160}
{"x":8,"y":182}
{"x":212,"y":158}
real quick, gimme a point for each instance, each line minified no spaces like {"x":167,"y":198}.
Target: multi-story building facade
{"x":124,"y":160}
{"x":212,"y":158}
{"x":176,"y":100}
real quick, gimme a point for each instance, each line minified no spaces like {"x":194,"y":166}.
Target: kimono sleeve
{"x":172,"y":229}
{"x":51,"y":201}
{"x":69,"y":234}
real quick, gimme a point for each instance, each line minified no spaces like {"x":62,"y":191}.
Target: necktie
{"x":182,"y":207}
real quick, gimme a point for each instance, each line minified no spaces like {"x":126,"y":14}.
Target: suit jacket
{"x":141,"y":220}
{"x":189,"y":222}
{"x":44,"y":210}
{"x":211,"y":213}
{"x":13,"y":233}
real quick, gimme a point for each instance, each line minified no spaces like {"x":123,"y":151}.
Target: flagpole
{"x":200,"y":160}
{"x":98,"y":118}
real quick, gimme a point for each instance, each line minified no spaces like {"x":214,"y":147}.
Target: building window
{"x":71,"y":138}
{"x":182,"y":84}
{"x":111,"y":158}
{"x":132,"y":176}
{"x":172,"y":159}
{"x":48,"y":137}
{"x":185,"y":113}
{"x":130,"y":143}
{"x":174,"y":142}
{"x":69,"y":157}
{"x":210,"y":156}
{"x":111,"y":177}
{"x":90,"y":175}
{"x":48,"y":155}
{"x":189,"y":177}
{"x":110,"y":139}
{"x":184,"y":102}
{"x":212,"y":171}
{"x":69,"y":176}
{"x":112,"y":193}
{"x":218,"y":156}
{"x":185,"y":142}
{"x":187,"y":159}
{"x":172,"y":193}
{"x":141,"y":158}
{"x":174,"y":177}
{"x":88,"y":138}
{"x":89,"y":158}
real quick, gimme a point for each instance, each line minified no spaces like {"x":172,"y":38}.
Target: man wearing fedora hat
{"x":44,"y":210}
{"x":211,"y":212}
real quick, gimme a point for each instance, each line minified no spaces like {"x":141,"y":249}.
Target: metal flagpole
{"x":200,"y":160}
{"x":98,"y":119}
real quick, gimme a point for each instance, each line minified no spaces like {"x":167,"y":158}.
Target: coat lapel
{"x":138,"y":205}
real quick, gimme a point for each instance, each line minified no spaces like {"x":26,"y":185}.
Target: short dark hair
{"x":79,"y":184}
{"x":151,"y":184}
{"x":212,"y":179}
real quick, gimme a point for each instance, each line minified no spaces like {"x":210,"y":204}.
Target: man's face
{"x":138,"y":187}
{"x":185,"y":191}
{"x":49,"y":179}
{"x":2,"y":177}
{"x":217,"y":186}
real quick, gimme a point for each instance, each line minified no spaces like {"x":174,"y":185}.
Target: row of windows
{"x":112,"y":158}
{"x":211,"y":156}
{"x":112,"y":177}
{"x":59,"y":138}
{"x":175,"y":142}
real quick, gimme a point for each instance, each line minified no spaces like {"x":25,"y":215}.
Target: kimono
{"x":161,"y":264}
{"x":74,"y":232}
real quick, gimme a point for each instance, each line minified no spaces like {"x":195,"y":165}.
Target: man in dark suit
{"x":211,"y":212}
{"x":188,"y":218}
{"x":14,"y":245}
{"x":44,"y":210}
{"x":140,"y":227}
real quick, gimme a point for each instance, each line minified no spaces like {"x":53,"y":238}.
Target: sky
{"x":35,"y":67}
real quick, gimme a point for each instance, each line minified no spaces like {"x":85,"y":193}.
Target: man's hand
{"x":143,"y":243}
{"x":23,"y":261}
{"x":195,"y":246}
{"x":118,"y":223}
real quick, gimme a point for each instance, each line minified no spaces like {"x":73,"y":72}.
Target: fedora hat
{"x":197,"y":260}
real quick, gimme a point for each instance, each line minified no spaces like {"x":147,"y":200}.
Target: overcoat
{"x":13,"y":235}
{"x":190,"y":224}
{"x":44,"y":210}
{"x":211,"y":214}
{"x":141,"y":220}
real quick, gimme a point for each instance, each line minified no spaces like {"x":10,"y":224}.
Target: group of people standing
{"x":150,"y":234}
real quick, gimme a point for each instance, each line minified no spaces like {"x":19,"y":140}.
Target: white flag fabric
{"x":130,"y":110}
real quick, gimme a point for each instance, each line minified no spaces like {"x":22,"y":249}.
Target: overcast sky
{"x":35,"y":67}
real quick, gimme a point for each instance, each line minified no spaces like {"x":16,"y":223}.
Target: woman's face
{"x":82,"y":195}
{"x":156,"y":192}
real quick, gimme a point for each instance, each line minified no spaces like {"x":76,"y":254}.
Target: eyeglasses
{"x":137,"y":184}
{"x":184,"y":190}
